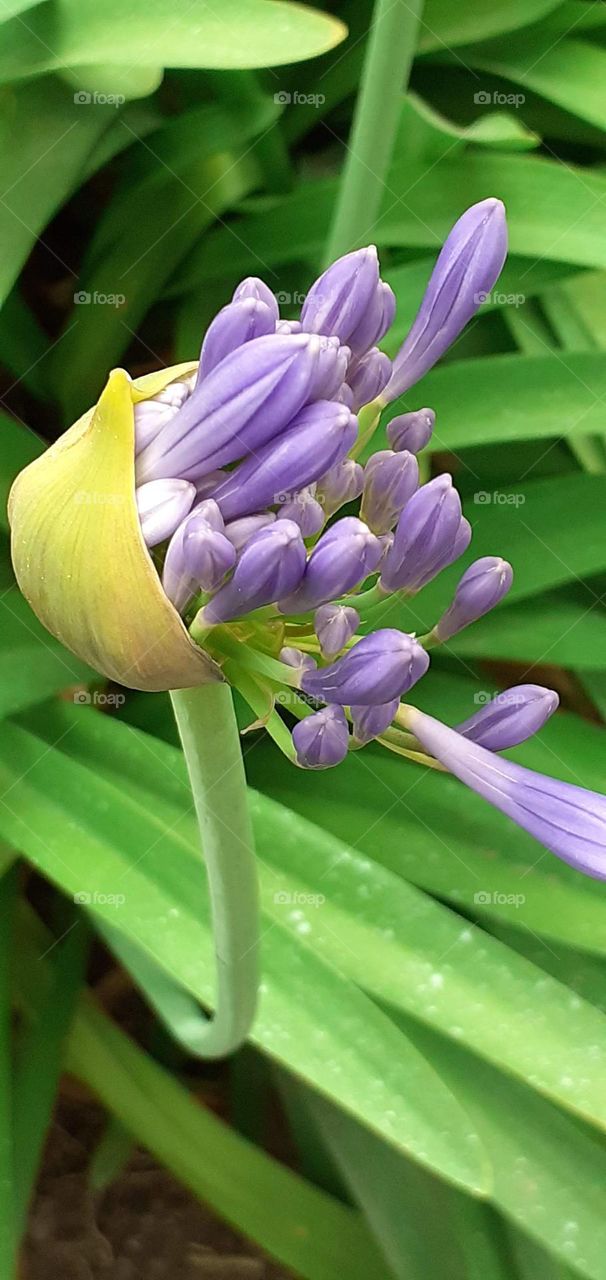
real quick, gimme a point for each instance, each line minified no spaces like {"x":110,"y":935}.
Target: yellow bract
{"x":79,"y":555}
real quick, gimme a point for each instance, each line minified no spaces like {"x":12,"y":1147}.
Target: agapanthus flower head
{"x":239,"y":461}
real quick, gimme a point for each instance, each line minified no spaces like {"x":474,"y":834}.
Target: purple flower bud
{"x":271,"y":564}
{"x":198,"y":557}
{"x":247,"y":400}
{"x":370,"y":722}
{"x":368,"y":377}
{"x":297,"y":660}
{"x":390,"y":479}
{"x":318,"y":437}
{"x":321,"y":740}
{"x":380,"y":667}
{"x":236,"y":324}
{"x":375,"y":322}
{"x":337,"y":302}
{"x":207,"y":483}
{"x":241,"y":531}
{"x":426,"y":537}
{"x":152,"y":415}
{"x":342,"y":558}
{"x":252,"y":287}
{"x":305,"y":511}
{"x":411,"y":431}
{"x":568,"y":820}
{"x":331,"y":369}
{"x":288,"y":326}
{"x":162,"y":505}
{"x":482,"y":587}
{"x":341,"y":484}
{"x":334,"y":625}
{"x":346,"y":395}
{"x":461,"y":541}
{"x":466,"y":269}
{"x":511,"y":717}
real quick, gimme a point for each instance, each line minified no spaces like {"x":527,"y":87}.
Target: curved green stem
{"x":389,"y":54}
{"x":211,"y":744}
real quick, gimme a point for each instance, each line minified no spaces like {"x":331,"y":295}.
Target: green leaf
{"x":44,"y":142}
{"x":313,"y":1233}
{"x":555,"y":212}
{"x":19,"y":447}
{"x":311,"y":1018}
{"x":570,"y":73}
{"x":384,"y":934}
{"x":513,"y":397}
{"x":549,"y":1171}
{"x":445,"y":25}
{"x":254,"y":33}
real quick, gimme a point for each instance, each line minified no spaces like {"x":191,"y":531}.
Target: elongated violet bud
{"x":319,"y":436}
{"x":380,"y":667}
{"x":376,"y":320}
{"x":237,"y":323}
{"x":368,"y":377}
{"x":482,"y":587}
{"x":272,"y":563}
{"x":411,"y":431}
{"x":199,"y":556}
{"x":426,"y":538}
{"x":370,"y":722}
{"x":162,"y":505}
{"x":390,"y":479}
{"x":321,"y":740}
{"x":468,"y":265}
{"x":334,"y":625}
{"x":568,"y":820}
{"x":342,"y":558}
{"x":510,"y":718}
{"x":339,"y":299}
{"x":341,"y":484}
{"x":253,"y":287}
{"x":305,"y":510}
{"x":241,"y":531}
{"x":249,"y":398}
